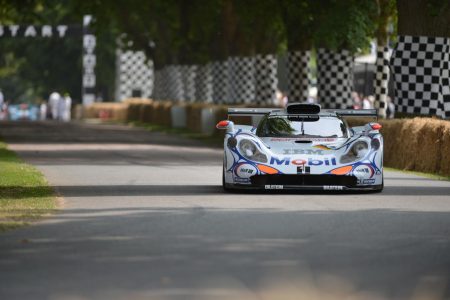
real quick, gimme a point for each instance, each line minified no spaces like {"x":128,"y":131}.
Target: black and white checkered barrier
{"x":158,"y":78}
{"x":420,"y":67}
{"x":173,"y":83}
{"x":381,"y":80}
{"x":241,"y":79}
{"x":188,"y":74}
{"x":134,"y":75}
{"x":220,"y":82}
{"x":335,"y":78}
{"x":298,"y":75}
{"x":204,"y":84}
{"x":266,"y":80}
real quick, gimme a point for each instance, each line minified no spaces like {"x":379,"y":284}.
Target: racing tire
{"x":224,"y":185}
{"x":380,"y":189}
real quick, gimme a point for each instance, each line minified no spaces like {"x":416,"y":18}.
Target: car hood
{"x":303,"y":146}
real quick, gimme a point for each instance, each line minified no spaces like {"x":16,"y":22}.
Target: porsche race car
{"x":302,"y":147}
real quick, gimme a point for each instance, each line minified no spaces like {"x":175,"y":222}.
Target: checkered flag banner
{"x":381,"y":79}
{"x":335,"y":78}
{"x":220,"y":82}
{"x":266,"y":80}
{"x":188,"y":75}
{"x":134,"y":74}
{"x":298,"y":75}
{"x":241,"y":75}
{"x":420,"y":68}
{"x":173,"y":83}
{"x":204,"y":84}
{"x":158,"y":85}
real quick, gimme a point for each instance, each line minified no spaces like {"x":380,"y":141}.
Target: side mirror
{"x":225,"y":124}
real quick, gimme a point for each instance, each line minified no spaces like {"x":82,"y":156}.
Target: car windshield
{"x":288,"y":126}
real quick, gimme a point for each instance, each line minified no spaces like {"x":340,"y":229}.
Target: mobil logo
{"x":326,"y":161}
{"x":245,"y":170}
{"x":363,"y":171}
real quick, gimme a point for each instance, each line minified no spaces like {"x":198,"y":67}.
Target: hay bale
{"x":194,"y":116}
{"x":146,"y":113}
{"x":444,"y":165}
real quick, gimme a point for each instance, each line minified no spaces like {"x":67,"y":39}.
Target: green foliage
{"x":173,"y":32}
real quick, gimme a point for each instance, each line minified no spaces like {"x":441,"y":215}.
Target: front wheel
{"x":224,"y":185}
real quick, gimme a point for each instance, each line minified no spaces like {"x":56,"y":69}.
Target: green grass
{"x":428,"y":175}
{"x":24,"y":193}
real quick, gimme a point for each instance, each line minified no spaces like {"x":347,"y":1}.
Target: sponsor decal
{"x":366,"y":181}
{"x":303,"y":151}
{"x":273,"y":187}
{"x":241,"y":180}
{"x":298,"y":162}
{"x":322,"y":147}
{"x":333,"y":187}
{"x":304,"y":170}
{"x":245,"y":170}
{"x":363,"y":172}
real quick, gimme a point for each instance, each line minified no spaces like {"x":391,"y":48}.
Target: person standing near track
{"x":66,"y":114}
{"x":53,"y":102}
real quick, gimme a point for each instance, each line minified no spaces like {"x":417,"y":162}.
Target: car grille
{"x":307,"y":180}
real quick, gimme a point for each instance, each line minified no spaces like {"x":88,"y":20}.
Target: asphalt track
{"x":144,"y":217}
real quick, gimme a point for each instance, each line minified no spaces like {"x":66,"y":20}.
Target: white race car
{"x":302,"y":147}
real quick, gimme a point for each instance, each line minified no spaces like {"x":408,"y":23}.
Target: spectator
{"x":53,"y":102}
{"x":43,"y":110}
{"x":366,"y":104}
{"x":390,"y":108}
{"x":356,"y":100}
{"x":67,"y":107}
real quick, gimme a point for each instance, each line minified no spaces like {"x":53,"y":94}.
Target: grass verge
{"x":428,"y":175}
{"x":24,"y":193}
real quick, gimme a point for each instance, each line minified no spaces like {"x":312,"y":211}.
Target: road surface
{"x":145,"y":217}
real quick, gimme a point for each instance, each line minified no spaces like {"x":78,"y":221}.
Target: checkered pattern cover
{"x":420,"y":68}
{"x":298,"y":75}
{"x":173,"y":83}
{"x":381,"y":79}
{"x":241,"y":79}
{"x":220,"y":82}
{"x":335,"y":78}
{"x":204,"y":84}
{"x":157,"y":92}
{"x":189,"y":73}
{"x":266,"y":80}
{"x":134,"y":72}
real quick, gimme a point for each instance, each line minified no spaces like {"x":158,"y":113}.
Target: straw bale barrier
{"x":161,"y":113}
{"x":194,"y":116}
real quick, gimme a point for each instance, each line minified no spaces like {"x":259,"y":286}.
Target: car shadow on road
{"x":189,"y":190}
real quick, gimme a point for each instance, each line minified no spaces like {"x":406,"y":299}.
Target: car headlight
{"x":357,"y":151}
{"x":249,"y":150}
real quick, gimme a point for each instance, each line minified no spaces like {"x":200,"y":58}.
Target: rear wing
{"x":353,"y":112}
{"x":252,"y":111}
{"x":303,"y":109}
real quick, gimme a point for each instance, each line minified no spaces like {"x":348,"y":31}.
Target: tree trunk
{"x":298,"y":75}
{"x":335,"y":78}
{"x":266,"y":80}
